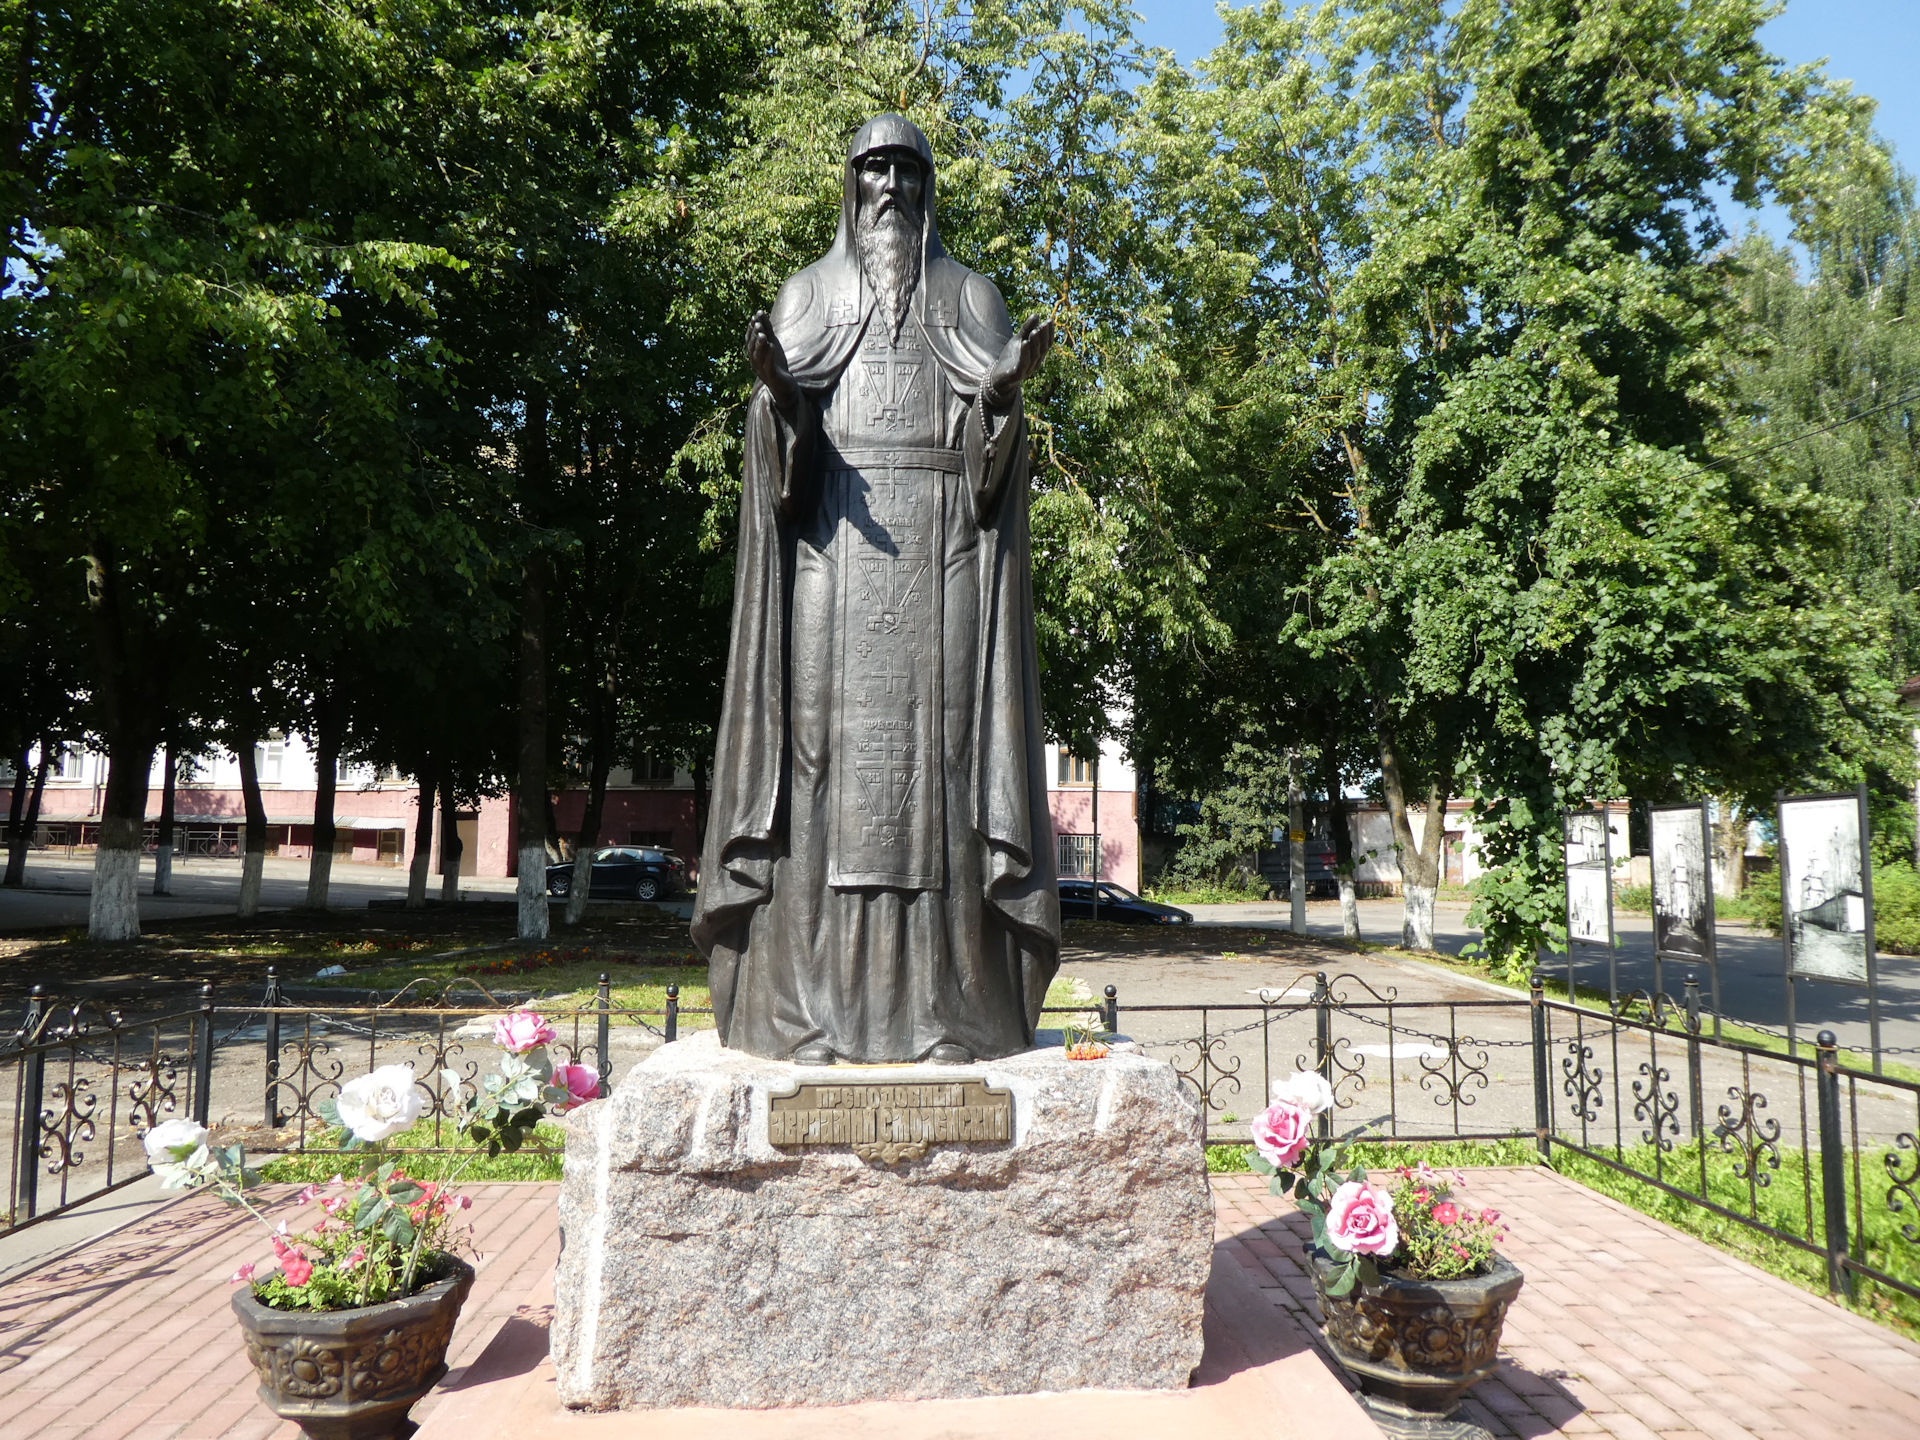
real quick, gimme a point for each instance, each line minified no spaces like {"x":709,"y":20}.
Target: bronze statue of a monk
{"x":878,"y":879}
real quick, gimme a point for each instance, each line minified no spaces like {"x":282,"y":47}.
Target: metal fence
{"x":1803,"y":1149}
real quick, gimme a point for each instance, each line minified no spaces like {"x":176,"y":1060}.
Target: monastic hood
{"x":887,"y":132}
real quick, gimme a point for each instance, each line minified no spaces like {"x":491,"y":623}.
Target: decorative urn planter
{"x":353,"y":1374}
{"x":1415,"y":1347}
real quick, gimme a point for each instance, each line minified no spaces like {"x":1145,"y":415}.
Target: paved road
{"x":58,"y":887}
{"x":1752,"y":988}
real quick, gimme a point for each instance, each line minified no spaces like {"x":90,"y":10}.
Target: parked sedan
{"x":626,"y":872}
{"x":1117,"y":904}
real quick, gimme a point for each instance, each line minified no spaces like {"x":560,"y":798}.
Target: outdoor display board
{"x":1682,"y":884}
{"x":1825,"y":885}
{"x":1588,"y":846}
{"x":1826,"y":898}
{"x":1589,"y":878}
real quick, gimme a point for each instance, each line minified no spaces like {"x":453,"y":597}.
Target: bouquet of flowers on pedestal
{"x":1419,"y":1230}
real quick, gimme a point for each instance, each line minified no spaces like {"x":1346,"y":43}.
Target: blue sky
{"x":1873,"y":43}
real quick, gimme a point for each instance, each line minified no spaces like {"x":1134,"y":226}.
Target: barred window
{"x":1076,"y":856}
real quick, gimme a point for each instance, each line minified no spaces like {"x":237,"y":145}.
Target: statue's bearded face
{"x":888,"y":228}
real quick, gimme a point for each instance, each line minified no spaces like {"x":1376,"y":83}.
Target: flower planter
{"x":353,"y":1374}
{"x":1415,"y":1347}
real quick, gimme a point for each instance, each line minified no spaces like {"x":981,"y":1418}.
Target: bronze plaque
{"x":893,"y":1122}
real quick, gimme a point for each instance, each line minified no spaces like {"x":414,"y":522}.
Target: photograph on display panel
{"x":1682,"y":885}
{"x":1589,"y":917}
{"x":1822,"y":889}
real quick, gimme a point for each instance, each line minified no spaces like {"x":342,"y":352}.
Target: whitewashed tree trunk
{"x":1416,"y":924}
{"x":1296,"y":850}
{"x":163,"y":870}
{"x":252,"y":863}
{"x":319,"y":877}
{"x":580,"y":884}
{"x":1349,"y":908}
{"x":113,"y":911}
{"x":534,"y":921}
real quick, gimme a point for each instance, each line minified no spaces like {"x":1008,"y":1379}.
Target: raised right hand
{"x":769,"y":360}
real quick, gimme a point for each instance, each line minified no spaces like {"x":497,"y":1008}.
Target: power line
{"x":1803,"y":435}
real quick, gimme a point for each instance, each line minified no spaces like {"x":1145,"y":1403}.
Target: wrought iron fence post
{"x":33,"y":1075}
{"x":1113,"y":1011}
{"x":1833,"y":1174}
{"x":203,"y":1057}
{"x":1542,"y":1104}
{"x":673,"y":1013}
{"x":1323,"y":1043}
{"x":1696,"y":1109}
{"x":602,"y":1033}
{"x":272,"y":1000}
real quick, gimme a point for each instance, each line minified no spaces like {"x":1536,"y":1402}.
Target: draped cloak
{"x":882,"y":885}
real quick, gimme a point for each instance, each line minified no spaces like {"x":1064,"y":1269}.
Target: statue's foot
{"x":814,"y":1052}
{"x":947,"y":1053}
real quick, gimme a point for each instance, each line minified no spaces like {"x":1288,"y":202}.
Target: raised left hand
{"x":1020,"y":359}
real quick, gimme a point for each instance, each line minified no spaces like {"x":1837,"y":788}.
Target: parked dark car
{"x":626,"y":872}
{"x":1117,"y":904}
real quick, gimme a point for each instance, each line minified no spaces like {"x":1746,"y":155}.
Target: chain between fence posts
{"x":603,"y":1034}
{"x":203,"y":1058}
{"x":33,"y":1077}
{"x":673,"y":1014}
{"x":1113,"y":1011}
{"x":1542,"y":1104}
{"x":1323,"y":1044}
{"x":272,"y":999}
{"x":1833,"y":1174}
{"x":1696,"y":1109}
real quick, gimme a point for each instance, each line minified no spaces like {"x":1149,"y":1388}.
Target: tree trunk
{"x":17,"y":809}
{"x":1340,"y":826}
{"x":1730,"y":837}
{"x":450,"y":846}
{"x":1419,"y":863}
{"x":1296,"y":849}
{"x":253,"y":856}
{"x":24,"y":832}
{"x":589,"y":834}
{"x":127,"y":691}
{"x":328,"y":724}
{"x":530,"y":788}
{"x":422,"y":865}
{"x":163,"y":836}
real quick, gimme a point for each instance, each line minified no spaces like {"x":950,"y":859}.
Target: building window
{"x":648,"y":767}
{"x":1076,"y":857}
{"x":268,"y":758}
{"x":1073,"y":769}
{"x":657,"y":839}
{"x":69,"y":762}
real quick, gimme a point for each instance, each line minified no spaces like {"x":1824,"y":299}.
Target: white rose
{"x":380,"y":1104}
{"x":165,"y":1140}
{"x":1306,"y":1088}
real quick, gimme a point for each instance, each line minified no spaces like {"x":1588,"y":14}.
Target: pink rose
{"x":1282,"y":1132}
{"x":580,"y":1083}
{"x":1360,"y":1219}
{"x":519,"y":1031}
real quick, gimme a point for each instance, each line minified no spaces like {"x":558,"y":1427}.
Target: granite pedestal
{"x":701,"y":1265}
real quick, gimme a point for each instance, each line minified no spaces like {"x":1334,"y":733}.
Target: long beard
{"x":889,"y":246}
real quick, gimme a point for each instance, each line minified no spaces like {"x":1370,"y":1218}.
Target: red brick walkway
{"x":131,"y":1338}
{"x":1625,"y":1327}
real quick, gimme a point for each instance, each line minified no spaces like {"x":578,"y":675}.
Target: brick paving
{"x":1625,"y":1328}
{"x":130,"y":1338}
